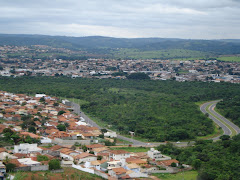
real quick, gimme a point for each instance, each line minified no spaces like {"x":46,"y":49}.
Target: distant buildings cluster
{"x":13,"y":62}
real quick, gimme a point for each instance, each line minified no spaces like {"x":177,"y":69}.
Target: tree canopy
{"x":154,"y":110}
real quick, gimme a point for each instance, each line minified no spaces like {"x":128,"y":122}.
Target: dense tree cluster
{"x":139,"y":76}
{"x":10,"y":137}
{"x":230,"y":108}
{"x":213,"y":160}
{"x":155,"y":110}
{"x":54,"y":164}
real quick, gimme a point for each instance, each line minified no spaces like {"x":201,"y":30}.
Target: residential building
{"x":26,"y":148}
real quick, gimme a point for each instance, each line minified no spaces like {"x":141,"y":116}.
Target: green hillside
{"x":144,"y":48}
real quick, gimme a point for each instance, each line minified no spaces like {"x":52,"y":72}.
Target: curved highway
{"x":219,"y":120}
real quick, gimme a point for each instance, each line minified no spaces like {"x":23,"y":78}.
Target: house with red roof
{"x":117,"y":172}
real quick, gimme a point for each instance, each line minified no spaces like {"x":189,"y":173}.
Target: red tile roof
{"x":92,"y":146}
{"x":119,"y":152}
{"x":168,"y":162}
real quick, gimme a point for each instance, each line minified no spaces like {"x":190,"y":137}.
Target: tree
{"x":66,"y":124}
{"x":99,"y":158}
{"x":55,"y":104}
{"x":91,"y":152}
{"x":42,"y":99}
{"x":11,"y":136}
{"x":32,"y":129}
{"x":42,"y":158}
{"x":206,"y":114}
{"x":10,"y":167}
{"x":54,"y":164}
{"x":61,"y":112}
{"x":6,"y":160}
{"x":108,"y":143}
{"x":103,"y":131}
{"x":101,"y":136}
{"x":224,"y":137}
{"x":174,"y":164}
{"x":139,"y":76}
{"x":61,"y":127}
{"x":197,"y":164}
{"x":84,"y":148}
{"x":8,"y":130}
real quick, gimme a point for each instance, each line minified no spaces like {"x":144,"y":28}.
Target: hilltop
{"x":130,"y":48}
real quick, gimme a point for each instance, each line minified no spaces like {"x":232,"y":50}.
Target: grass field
{"x":230,"y":58}
{"x":68,"y":174}
{"x":121,"y":141}
{"x":178,"y":54}
{"x":131,"y":149}
{"x":188,"y":175}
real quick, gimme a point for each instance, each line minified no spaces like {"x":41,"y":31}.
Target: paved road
{"x":76,"y":109}
{"x":226,"y":130}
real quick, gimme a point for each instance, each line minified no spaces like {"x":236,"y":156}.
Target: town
{"x":41,"y":60}
{"x":41,"y":133}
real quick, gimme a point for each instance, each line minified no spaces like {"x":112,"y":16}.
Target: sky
{"x":188,"y":19}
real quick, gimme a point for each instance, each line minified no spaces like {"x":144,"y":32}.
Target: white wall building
{"x":84,"y":157}
{"x":119,"y":154}
{"x":26,"y":148}
{"x":110,"y":134}
{"x":40,"y":95}
{"x":29,"y":162}
{"x":46,"y":140}
{"x":155,"y":154}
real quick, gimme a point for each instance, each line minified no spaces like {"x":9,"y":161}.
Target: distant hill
{"x":108,"y":45}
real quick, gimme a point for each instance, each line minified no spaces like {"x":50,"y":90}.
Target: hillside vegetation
{"x":230,"y":108}
{"x":155,"y":110}
{"x":213,"y":160}
{"x":125,"y":48}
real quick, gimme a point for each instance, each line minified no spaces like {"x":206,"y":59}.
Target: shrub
{"x":54,"y":164}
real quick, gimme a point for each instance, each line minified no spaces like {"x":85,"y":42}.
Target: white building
{"x":119,"y":154}
{"x":46,"y":140}
{"x":26,"y":148}
{"x":84,"y":157}
{"x":66,"y":102}
{"x":3,"y":156}
{"x":40,"y":95}
{"x":29,"y":162}
{"x":155,"y":154}
{"x":110,"y":134}
{"x":2,"y":168}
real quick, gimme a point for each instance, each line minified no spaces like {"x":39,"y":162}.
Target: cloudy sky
{"x":194,"y":19}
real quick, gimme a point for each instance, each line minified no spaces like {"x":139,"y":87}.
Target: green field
{"x":131,"y":149}
{"x":178,"y":54}
{"x":188,"y":175}
{"x":230,"y":58}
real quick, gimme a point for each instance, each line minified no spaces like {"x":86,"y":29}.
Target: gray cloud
{"x":204,"y":19}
